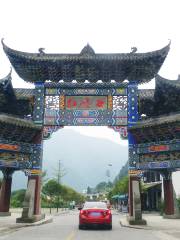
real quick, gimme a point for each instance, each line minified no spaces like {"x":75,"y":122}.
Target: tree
{"x":121,"y":187}
{"x":51,"y":190}
{"x":89,"y":190}
{"x":44,"y":177}
{"x":17,"y":198}
{"x":101,"y":187}
{"x":72,"y":195}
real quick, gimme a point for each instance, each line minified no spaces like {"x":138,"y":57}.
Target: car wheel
{"x":109,"y":227}
{"x":80,"y":226}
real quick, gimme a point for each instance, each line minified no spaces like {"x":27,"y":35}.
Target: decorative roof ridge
{"x":86,"y":85}
{"x":12,"y":119}
{"x":6,"y":85}
{"x":87,"y":51}
{"x":154,"y":121}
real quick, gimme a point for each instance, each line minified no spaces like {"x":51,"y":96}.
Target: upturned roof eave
{"x":78,"y":56}
{"x":157,"y":121}
{"x":19,"y":122}
{"x":159,"y":81}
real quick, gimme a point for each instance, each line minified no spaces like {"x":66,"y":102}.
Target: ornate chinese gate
{"x":109,"y":98}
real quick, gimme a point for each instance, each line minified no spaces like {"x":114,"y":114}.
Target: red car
{"x":95,"y":214}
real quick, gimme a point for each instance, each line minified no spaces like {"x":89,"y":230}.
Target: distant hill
{"x":85,"y":158}
{"x":122,"y":173}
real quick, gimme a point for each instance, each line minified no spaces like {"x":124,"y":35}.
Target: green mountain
{"x":84,"y":158}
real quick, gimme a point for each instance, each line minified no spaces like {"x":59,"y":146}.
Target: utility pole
{"x":58,"y":181}
{"x":60,"y":173}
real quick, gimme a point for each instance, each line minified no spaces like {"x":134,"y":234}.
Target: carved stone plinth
{"x":34,"y":218}
{"x":5,"y":214}
{"x":133,"y":221}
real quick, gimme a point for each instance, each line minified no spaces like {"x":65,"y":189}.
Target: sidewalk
{"x":8,"y":224}
{"x":155,"y":222}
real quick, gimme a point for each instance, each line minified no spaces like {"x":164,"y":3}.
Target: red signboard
{"x":86,"y":102}
{"x":9,"y":147}
{"x":159,"y":148}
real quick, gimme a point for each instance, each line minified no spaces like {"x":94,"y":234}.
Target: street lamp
{"x":108,"y":173}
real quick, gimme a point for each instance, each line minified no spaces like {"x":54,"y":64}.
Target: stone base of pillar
{"x":133,"y":221}
{"x":173,"y":216}
{"x":5,"y":214}
{"x":34,"y":218}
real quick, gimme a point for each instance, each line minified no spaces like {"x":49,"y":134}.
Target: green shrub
{"x":17,"y":198}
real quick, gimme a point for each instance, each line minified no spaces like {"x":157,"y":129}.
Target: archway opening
{"x":89,"y":154}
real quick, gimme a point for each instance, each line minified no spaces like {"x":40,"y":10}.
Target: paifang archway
{"x":85,"y":89}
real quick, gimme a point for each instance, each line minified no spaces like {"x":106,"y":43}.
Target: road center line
{"x":71,"y":236}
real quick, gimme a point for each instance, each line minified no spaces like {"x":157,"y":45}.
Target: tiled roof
{"x":13,"y":120}
{"x":39,"y":67}
{"x":23,"y":93}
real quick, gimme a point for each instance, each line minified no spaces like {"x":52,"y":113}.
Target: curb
{"x":17,"y":226}
{"x":134,"y":226}
{"x":21,"y":225}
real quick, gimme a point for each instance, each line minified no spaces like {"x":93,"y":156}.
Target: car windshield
{"x":95,"y":205}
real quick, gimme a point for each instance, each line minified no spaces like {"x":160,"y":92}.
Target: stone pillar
{"x":168,"y":194}
{"x":32,"y":202}
{"x":37,"y":200}
{"x":135,"y":213}
{"x":5,"y":192}
{"x":130,"y":199}
{"x":170,"y":205}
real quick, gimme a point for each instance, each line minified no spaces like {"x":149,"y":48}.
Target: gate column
{"x":5,"y":192}
{"x":170,"y":205}
{"x":135,"y":212}
{"x":32,"y":202}
{"x":133,"y":180}
{"x":168,"y":194}
{"x":134,"y":199}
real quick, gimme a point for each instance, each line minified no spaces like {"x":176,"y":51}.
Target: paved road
{"x":65,"y":227}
